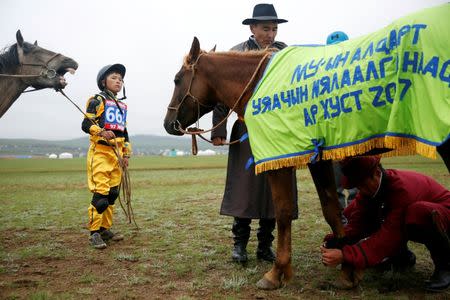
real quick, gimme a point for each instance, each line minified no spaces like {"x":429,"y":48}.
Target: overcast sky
{"x":150,"y":38}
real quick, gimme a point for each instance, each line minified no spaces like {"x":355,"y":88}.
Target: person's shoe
{"x":400,"y":263}
{"x":404,"y":262}
{"x":97,"y":241}
{"x":109,"y":235}
{"x":266,"y":254}
{"x":439,"y":281}
{"x":239,"y":253}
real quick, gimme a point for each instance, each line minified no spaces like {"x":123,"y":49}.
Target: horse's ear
{"x":213,"y":49}
{"x":35,"y":43}
{"x":195,"y":51}
{"x":19,"y":38}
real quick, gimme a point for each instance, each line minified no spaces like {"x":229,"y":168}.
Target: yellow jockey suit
{"x":105,"y":112}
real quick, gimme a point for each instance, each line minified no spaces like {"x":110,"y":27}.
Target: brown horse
{"x":24,"y":64}
{"x":206,"y":79}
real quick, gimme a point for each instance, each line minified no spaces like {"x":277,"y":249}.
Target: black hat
{"x":263,"y":12}
{"x":119,"y":68}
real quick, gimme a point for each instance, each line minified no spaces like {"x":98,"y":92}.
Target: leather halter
{"x":45,"y":72}
{"x":196,"y":131}
{"x":188,"y":93}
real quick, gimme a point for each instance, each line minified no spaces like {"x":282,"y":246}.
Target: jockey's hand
{"x":107,"y":134}
{"x":125,"y":161}
{"x":331,"y":257}
{"x":218,"y":141}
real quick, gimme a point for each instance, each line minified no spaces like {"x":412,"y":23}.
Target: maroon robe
{"x":378,"y":224}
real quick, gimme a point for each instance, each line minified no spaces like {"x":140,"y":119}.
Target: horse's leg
{"x":323,"y":177}
{"x":281,"y":185}
{"x":444,"y":152}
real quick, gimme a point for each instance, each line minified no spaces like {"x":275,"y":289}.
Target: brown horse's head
{"x":49,"y":67}
{"x":191,"y":96}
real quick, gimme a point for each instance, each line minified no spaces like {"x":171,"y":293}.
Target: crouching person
{"x":392,"y":207}
{"x":105,"y":122}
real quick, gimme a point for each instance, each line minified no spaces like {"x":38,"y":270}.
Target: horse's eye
{"x":177,"y":81}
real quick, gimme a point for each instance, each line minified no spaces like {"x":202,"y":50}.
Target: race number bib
{"x":114,"y":120}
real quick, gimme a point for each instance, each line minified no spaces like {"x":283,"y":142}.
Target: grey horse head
{"x":24,"y":64}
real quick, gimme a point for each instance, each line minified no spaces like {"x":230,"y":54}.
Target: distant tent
{"x":173,"y":153}
{"x":65,"y":155}
{"x":53,"y":156}
{"x":206,"y":152}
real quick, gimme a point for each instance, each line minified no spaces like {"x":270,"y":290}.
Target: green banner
{"x":390,"y":88}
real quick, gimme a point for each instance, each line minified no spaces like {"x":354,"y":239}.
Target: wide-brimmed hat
{"x":357,"y":169}
{"x":263,"y":12}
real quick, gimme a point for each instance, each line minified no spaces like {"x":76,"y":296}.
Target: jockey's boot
{"x":107,"y":235}
{"x":241,"y":234}
{"x":96,"y":241}
{"x":439,"y":246}
{"x":265,"y":238}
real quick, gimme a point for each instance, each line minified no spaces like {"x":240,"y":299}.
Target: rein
{"x":125,"y":183}
{"x":195,"y":130}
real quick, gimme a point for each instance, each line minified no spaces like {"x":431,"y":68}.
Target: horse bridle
{"x":46,"y":70}
{"x":189,"y":94}
{"x":196,"y":131}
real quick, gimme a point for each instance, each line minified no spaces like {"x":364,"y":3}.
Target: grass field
{"x":182,"y":249}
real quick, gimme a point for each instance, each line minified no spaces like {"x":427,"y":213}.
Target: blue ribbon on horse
{"x":317,"y":143}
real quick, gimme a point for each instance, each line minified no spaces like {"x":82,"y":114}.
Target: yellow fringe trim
{"x":400,"y":146}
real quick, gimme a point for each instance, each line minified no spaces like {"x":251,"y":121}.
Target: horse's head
{"x":191,"y":96}
{"x":44,"y":68}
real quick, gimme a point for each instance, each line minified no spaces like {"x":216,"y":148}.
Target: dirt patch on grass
{"x":31,"y":267}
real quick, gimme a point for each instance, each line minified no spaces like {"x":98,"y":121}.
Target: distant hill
{"x":142,"y":145}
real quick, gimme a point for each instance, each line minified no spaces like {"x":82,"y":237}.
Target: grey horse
{"x":24,"y":64}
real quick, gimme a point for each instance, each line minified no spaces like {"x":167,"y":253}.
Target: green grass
{"x":182,"y":249}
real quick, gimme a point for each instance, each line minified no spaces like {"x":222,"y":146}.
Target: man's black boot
{"x":265,"y":238}
{"x":241,"y":234}
{"x":239,"y":253}
{"x":439,"y":281}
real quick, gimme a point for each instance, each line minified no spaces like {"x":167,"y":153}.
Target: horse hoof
{"x":264,"y":284}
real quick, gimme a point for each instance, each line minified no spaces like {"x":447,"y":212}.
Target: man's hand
{"x":331,"y":257}
{"x":218,"y":141}
{"x":107,"y":134}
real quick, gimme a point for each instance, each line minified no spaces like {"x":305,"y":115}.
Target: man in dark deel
{"x":391,"y":208}
{"x":246,"y":195}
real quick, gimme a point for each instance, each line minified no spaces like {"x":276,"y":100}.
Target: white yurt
{"x":65,"y":155}
{"x":206,"y":152}
{"x":53,"y":156}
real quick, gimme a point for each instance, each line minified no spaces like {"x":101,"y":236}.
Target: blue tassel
{"x":318,"y":143}
{"x":249,"y":163}
{"x":243,"y":137}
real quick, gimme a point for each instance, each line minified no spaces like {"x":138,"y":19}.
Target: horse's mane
{"x":251,"y":53}
{"x":232,"y":53}
{"x":8,"y":58}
